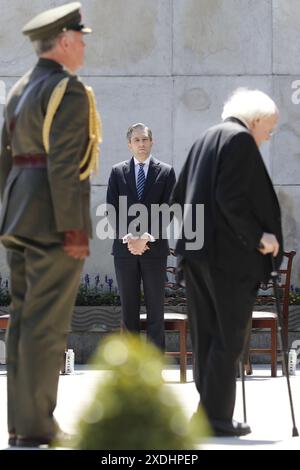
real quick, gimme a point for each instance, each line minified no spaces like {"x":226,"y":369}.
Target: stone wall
{"x":91,"y":324}
{"x":171,"y":64}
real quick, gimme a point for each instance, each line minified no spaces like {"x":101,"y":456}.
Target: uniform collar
{"x":49,"y":63}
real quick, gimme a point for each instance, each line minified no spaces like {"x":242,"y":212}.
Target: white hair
{"x":44,"y":45}
{"x":248,"y":105}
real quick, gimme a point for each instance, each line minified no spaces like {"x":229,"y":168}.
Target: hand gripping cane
{"x":282,"y":343}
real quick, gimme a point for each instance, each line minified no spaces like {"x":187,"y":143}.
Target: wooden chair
{"x":174,"y":321}
{"x":269,"y":319}
{"x":4,"y":319}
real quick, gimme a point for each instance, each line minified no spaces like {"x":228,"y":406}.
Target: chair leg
{"x":182,"y":349}
{"x":248,"y":366}
{"x":274,"y":350}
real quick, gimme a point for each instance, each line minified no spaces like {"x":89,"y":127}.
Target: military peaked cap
{"x":52,"y":22}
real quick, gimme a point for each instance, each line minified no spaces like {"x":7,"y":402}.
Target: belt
{"x":30,"y":160}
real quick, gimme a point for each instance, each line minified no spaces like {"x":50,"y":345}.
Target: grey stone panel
{"x":131,"y":37}
{"x":286,"y":158}
{"x":17,"y":55}
{"x":6,"y":84}
{"x":100,"y":260}
{"x":124,"y":101}
{"x":198,"y":103}
{"x":286,"y":36}
{"x":289,"y":197}
{"x":222,"y":37}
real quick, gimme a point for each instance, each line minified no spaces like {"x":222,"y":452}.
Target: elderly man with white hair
{"x":242,"y":225}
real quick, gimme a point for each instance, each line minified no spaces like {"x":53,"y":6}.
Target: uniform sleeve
{"x":236,"y":173}
{"x":68,"y":141}
{"x":5,"y":158}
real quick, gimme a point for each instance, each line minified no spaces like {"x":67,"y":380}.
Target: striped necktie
{"x":140,"y":184}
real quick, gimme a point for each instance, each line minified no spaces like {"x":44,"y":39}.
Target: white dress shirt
{"x":145,"y":235}
{"x":145,"y":167}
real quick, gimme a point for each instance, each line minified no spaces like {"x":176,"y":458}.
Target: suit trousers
{"x":152,"y":271}
{"x":219,"y":310}
{"x":44,"y":283}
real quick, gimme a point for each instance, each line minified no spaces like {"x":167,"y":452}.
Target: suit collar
{"x":236,"y":120}
{"x":49,"y":64}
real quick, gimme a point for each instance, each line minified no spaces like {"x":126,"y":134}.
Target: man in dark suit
{"x":45,"y":222}
{"x":242,"y":224}
{"x":141,"y":254}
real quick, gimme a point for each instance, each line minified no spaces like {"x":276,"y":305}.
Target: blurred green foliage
{"x":132,"y":407}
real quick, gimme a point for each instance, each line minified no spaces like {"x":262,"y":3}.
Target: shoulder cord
{"x":90,"y":158}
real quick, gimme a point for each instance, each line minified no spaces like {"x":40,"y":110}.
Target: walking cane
{"x":282,"y":343}
{"x":242,"y":375}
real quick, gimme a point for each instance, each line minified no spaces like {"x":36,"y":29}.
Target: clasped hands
{"x":137,"y":246}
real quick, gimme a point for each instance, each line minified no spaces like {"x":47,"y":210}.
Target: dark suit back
{"x":159,"y":184}
{"x":225,"y":172}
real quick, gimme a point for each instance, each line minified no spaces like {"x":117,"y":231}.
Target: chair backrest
{"x":284,"y":284}
{"x":175,"y":294}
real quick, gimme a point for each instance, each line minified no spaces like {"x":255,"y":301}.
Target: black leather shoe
{"x":32,"y":441}
{"x":227,"y":429}
{"x":60,"y":439}
{"x":12,"y":440}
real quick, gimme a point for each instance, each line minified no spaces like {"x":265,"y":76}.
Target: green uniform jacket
{"x":42,"y":202}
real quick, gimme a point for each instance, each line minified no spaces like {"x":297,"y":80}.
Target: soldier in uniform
{"x":49,"y":148}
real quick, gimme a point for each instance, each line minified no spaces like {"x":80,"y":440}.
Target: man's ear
{"x":63,"y":41}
